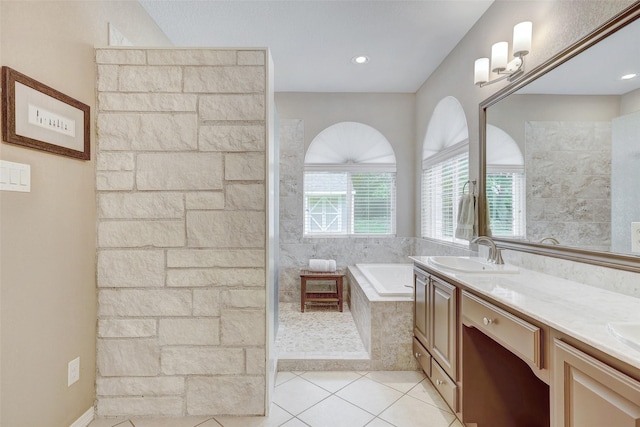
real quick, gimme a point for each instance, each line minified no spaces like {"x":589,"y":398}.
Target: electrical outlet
{"x":73,"y":371}
{"x":635,"y":237}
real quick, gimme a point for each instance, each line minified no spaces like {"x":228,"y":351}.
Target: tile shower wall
{"x":295,"y":251}
{"x":568,"y":169}
{"x":181,"y":232}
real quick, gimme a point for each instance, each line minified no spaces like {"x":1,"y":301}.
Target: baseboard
{"x":85,"y":419}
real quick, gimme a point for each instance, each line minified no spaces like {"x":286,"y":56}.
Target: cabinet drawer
{"x":445,"y":385}
{"x":422,"y":356}
{"x":522,"y":338}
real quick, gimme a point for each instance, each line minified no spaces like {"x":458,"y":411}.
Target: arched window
{"x":505,"y":184}
{"x":349,"y":182}
{"x":445,"y":170}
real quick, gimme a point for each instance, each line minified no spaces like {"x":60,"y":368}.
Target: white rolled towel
{"x":322,"y":265}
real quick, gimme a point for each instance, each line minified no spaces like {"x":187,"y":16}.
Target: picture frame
{"x":37,"y":116}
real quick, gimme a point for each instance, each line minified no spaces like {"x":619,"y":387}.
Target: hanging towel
{"x":322,"y":265}
{"x":467,"y":220}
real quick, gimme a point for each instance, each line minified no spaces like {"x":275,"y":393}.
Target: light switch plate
{"x":15,"y":177}
{"x":73,"y":371}
{"x":635,"y":237}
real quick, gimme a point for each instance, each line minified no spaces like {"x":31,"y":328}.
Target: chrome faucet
{"x":551,"y":240}
{"x":495,"y":254}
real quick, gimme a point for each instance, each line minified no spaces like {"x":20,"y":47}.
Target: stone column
{"x":181,"y":232}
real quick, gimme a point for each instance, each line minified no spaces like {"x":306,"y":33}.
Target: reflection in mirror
{"x":505,"y":184}
{"x":577,"y":132}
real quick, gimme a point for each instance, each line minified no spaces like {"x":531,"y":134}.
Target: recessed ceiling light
{"x":360,"y":59}
{"x":629,"y":76}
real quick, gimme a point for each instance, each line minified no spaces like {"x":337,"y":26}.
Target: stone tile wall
{"x":295,"y":251}
{"x":568,"y":169}
{"x":181,"y":232}
{"x":385,"y":325}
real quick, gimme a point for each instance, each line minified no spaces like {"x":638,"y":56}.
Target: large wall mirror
{"x":560,"y":152}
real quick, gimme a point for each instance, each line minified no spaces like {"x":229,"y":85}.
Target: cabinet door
{"x":444,"y":337}
{"x":589,"y":393}
{"x":420,"y":307}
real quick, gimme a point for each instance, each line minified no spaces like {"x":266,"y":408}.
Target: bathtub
{"x":389,"y":280}
{"x":380,"y":298}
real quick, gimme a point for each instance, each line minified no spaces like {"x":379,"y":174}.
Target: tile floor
{"x":332,"y":399}
{"x":320,"y":398}
{"x":318,"y":333}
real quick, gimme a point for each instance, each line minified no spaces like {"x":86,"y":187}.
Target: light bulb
{"x":481,"y":71}
{"x":499,"y":53}
{"x":522,"y":38}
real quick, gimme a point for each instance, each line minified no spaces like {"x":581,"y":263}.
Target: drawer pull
{"x":439,"y":382}
{"x":487,"y":321}
{"x":418,"y":355}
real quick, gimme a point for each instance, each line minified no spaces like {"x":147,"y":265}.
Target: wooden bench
{"x":324,"y":297}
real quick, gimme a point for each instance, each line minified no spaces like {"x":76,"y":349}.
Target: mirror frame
{"x":605,"y":259}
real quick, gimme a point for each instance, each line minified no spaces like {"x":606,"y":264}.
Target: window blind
{"x":442,"y":185}
{"x":347,"y":203}
{"x":505,"y":194}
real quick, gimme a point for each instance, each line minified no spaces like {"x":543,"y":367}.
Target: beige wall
{"x":511,"y":113}
{"x":630,"y":102}
{"x":48,"y":267}
{"x":48,"y":296}
{"x":390,"y":113}
{"x":556,"y":25}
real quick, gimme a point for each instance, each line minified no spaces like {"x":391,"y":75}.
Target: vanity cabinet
{"x":503,"y":374}
{"x":421,"y":298}
{"x":499,"y":365}
{"x":519,"y":336}
{"x":444,"y":337}
{"x":590,"y":393}
{"x":435,"y":331}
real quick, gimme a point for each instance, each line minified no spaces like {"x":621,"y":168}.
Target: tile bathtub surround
{"x":385,"y":325}
{"x":295,"y":250}
{"x":320,"y":399}
{"x":181,"y":232}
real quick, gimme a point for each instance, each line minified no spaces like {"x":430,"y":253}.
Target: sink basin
{"x":628,"y":333}
{"x":470,"y":265}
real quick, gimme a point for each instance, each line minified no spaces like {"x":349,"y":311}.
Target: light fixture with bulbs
{"x":499,"y":57}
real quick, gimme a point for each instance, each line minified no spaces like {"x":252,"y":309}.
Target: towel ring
{"x":473,"y":186}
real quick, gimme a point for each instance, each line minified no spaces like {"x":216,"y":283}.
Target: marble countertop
{"x":573,"y":308}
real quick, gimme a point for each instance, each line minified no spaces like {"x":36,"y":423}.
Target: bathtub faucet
{"x":495,"y":254}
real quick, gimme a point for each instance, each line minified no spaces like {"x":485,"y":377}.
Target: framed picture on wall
{"x":37,"y":116}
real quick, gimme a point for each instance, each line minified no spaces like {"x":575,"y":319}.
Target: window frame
{"x":511,"y":170}
{"x":437,"y":159}
{"x":349,"y":169}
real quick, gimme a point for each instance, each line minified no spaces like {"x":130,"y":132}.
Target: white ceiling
{"x":597,"y":70}
{"x":312,"y":42}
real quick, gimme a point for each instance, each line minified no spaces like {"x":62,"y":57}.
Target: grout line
{"x":296,"y":418}
{"x":377,"y":416}
{"x":209,"y":419}
{"x":359,"y":374}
